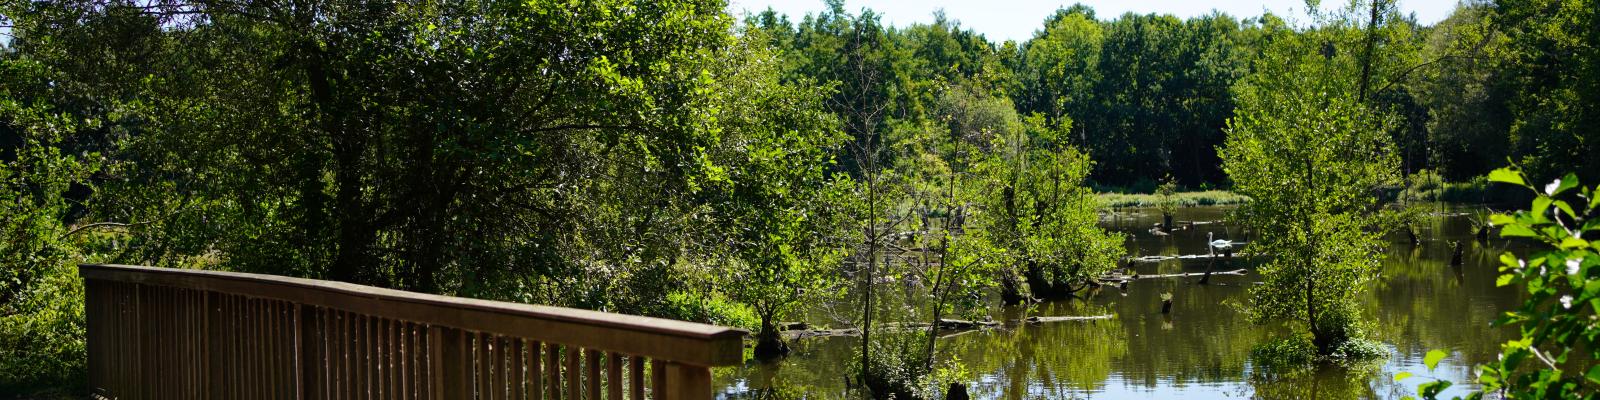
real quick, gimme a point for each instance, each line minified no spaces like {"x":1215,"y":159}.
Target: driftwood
{"x":951,"y":327}
{"x":964,"y":324}
{"x":1118,"y":278}
{"x":1151,"y":259}
{"x":1041,"y":320}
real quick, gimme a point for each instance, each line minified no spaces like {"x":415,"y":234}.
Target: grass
{"x":1184,"y":199}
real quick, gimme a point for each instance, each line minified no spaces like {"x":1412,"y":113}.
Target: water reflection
{"x":1202,"y":349}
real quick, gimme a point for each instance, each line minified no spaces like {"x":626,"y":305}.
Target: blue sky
{"x":1000,"y":20}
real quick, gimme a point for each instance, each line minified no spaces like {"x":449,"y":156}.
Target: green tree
{"x":1309,"y":154}
{"x":1468,"y":119}
{"x":774,"y":201}
{"x":1552,"y":59}
{"x":41,"y":297}
{"x":403,"y":145}
{"x":1039,"y":213}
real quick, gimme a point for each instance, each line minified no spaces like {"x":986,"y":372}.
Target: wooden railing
{"x":156,"y":333}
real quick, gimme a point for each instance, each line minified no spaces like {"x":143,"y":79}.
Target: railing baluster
{"x":658,"y":379}
{"x":636,"y":377}
{"x":485,"y":361}
{"x":251,"y":342}
{"x":614,"y":377}
{"x":347,"y":341}
{"x":535,"y":375}
{"x":592,"y":378}
{"x":553,"y":364}
{"x":574,"y":376}
{"x":514,"y":374}
{"x":397,"y":359}
{"x":380,"y":360}
{"x":306,"y":362}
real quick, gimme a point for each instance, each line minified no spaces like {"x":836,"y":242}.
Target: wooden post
{"x":688,"y":382}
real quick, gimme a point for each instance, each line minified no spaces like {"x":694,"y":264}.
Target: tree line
{"x":1149,"y":95}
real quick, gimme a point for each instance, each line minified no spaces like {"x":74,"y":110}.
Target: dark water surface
{"x":1202,"y":349}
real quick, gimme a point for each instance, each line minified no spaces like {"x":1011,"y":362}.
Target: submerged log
{"x":959,"y":324}
{"x":952,"y":327}
{"x":1041,"y":320}
{"x":1122,"y":278}
{"x":1153,"y":259}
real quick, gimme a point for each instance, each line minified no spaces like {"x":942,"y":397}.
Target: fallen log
{"x":950,"y":327}
{"x":1118,"y":278}
{"x":958,"y":324}
{"x":1041,"y":320}
{"x":1151,"y":259}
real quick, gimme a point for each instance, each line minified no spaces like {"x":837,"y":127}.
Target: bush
{"x":42,"y":337}
{"x":898,"y":368}
{"x":1425,"y":185}
{"x":716,"y":310}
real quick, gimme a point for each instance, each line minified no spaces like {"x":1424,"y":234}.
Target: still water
{"x":1202,"y":349}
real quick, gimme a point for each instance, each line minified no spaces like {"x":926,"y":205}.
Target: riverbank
{"x":1184,"y":199}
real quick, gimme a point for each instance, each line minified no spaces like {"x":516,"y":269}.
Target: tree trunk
{"x":355,"y":234}
{"x":769,"y":343}
{"x":1010,"y":290}
{"x":1371,"y":47}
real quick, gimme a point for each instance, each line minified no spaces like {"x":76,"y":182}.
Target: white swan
{"x":1215,"y":245}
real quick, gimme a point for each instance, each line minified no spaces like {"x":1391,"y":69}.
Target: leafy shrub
{"x":898,"y":368}
{"x":717,"y":310}
{"x":42,"y":336}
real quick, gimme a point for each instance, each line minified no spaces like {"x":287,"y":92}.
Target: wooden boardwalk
{"x":157,"y":333}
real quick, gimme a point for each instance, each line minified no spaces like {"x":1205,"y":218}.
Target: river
{"x":1201,"y":350}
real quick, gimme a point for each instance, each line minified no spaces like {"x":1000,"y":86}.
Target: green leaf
{"x":1401,"y":376}
{"x":1503,"y":280}
{"x":1433,"y":357}
{"x":1594,"y":374}
{"x":1562,"y":205}
{"x":1562,"y":185}
{"x":1517,"y":231}
{"x":1502,"y":219}
{"x":1574,"y":243}
{"x":1540,"y":205}
{"x":1507,"y":175}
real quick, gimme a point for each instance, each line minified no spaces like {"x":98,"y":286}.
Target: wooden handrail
{"x":176,"y":333}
